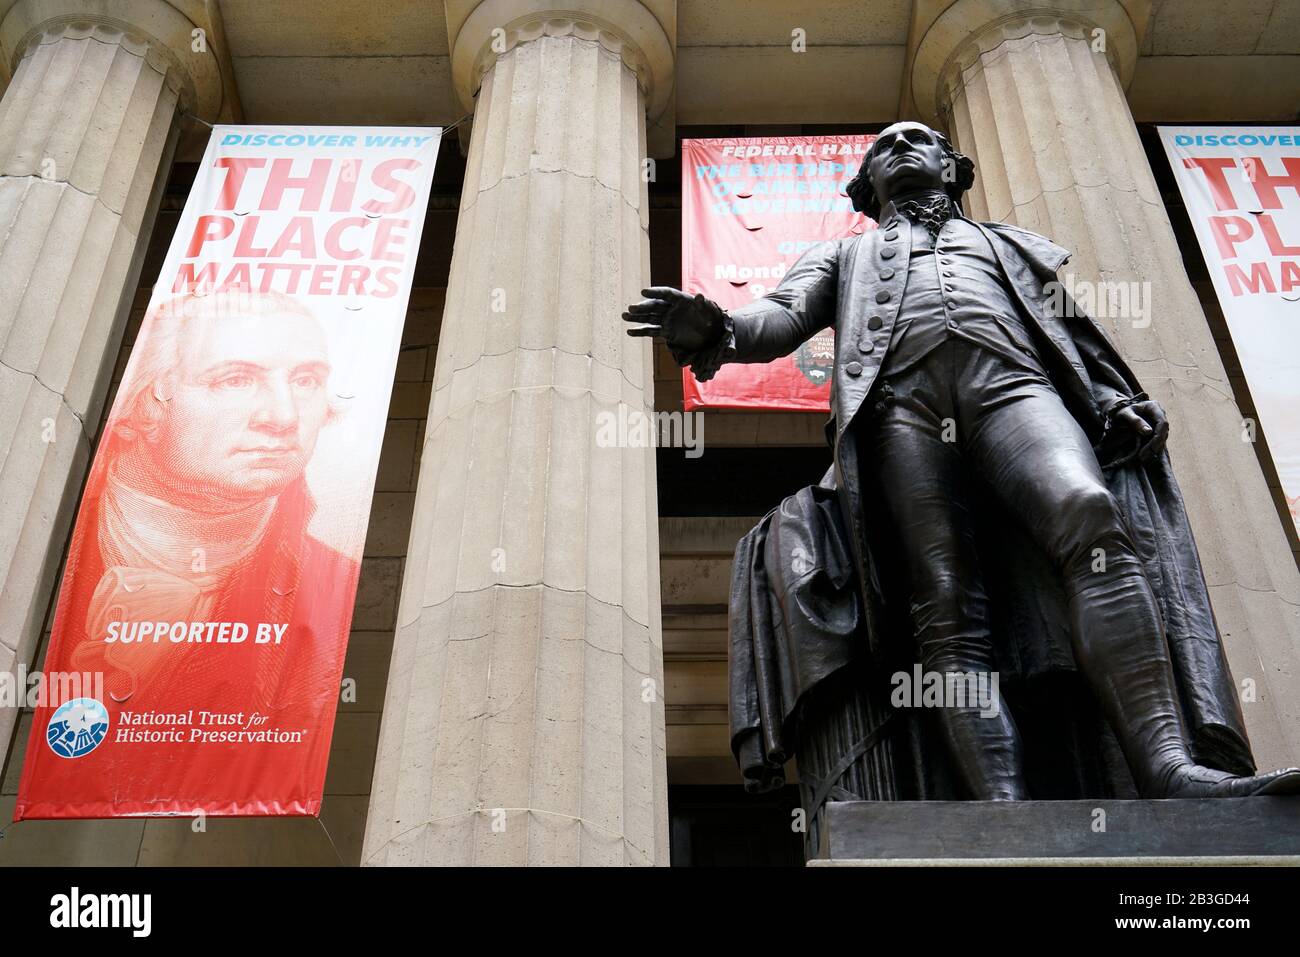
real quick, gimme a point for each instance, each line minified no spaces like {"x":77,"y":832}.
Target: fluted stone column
{"x":1038,"y":103}
{"x":524,"y":719}
{"x":86,"y":130}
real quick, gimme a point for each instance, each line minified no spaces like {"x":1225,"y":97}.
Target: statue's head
{"x":904,"y":158}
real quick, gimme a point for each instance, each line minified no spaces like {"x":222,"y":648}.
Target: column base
{"x":1230,"y":831}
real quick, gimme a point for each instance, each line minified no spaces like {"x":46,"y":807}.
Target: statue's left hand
{"x":1148,"y":420}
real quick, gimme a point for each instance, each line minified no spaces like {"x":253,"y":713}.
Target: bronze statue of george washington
{"x":1001,"y":505}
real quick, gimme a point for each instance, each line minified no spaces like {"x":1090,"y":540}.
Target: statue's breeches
{"x":963,"y":412}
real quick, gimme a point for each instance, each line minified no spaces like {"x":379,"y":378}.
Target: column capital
{"x":482,"y":30}
{"x":162,"y":31}
{"x":968,"y":29}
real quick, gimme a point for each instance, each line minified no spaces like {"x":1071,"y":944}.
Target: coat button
{"x":874,"y":323}
{"x":887,"y":253}
{"x":882,"y":296}
{"x":886,"y":274}
{"x":854,"y":369}
{"x":866,"y":345}
{"x":891,"y":235}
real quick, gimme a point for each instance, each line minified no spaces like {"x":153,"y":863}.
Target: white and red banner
{"x":212,"y":573}
{"x":751,"y":206}
{"x":1241,"y":185}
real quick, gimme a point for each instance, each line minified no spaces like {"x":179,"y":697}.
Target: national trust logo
{"x":77,"y":727}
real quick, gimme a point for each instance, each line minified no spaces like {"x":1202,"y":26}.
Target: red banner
{"x":751,"y":206}
{"x":1241,"y":185}
{"x":211,"y":577}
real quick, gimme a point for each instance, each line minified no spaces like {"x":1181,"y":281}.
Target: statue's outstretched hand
{"x":1148,"y":420}
{"x":686,"y":323}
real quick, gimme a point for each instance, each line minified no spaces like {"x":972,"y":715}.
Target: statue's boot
{"x":1196,"y":781}
{"x":986,"y":752}
{"x":1122,"y":651}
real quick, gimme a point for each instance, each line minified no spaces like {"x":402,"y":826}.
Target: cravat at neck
{"x":930,"y":209}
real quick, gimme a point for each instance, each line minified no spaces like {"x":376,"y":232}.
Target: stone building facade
{"x":564,"y":698}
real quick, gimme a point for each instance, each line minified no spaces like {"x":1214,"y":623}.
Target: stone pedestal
{"x":945,"y":833}
{"x":524,"y":719}
{"x":1038,"y":103}
{"x":87,"y":126}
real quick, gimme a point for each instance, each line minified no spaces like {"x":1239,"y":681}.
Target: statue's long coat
{"x":804,"y":604}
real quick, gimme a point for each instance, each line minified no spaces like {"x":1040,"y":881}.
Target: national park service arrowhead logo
{"x":816,"y":358}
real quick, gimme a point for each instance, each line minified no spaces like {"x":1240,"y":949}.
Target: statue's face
{"x":904,"y":158}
